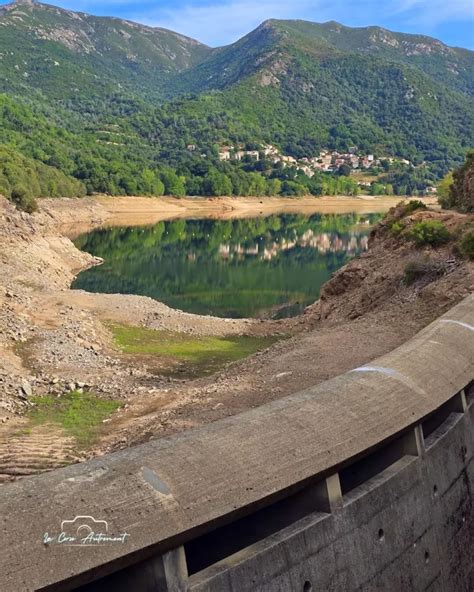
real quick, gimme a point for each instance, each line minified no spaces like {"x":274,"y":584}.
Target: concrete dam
{"x":362,"y":483}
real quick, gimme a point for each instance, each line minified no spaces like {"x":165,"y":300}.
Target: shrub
{"x":397,"y":227}
{"x":428,"y":232}
{"x":466,"y":244}
{"x":412,"y":206}
{"x":418,"y":268}
{"x":23,"y":200}
{"x":402,"y":209}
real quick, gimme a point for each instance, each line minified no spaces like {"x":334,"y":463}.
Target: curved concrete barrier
{"x":361,"y":483}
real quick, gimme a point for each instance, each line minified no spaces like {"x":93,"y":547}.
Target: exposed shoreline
{"x":76,"y":215}
{"x":243,"y":206}
{"x":52,"y":336}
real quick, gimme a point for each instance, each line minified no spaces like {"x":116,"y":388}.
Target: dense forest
{"x":82,"y":116}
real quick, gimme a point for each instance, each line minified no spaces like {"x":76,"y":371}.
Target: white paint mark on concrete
{"x":465,"y":325}
{"x":393,"y":374}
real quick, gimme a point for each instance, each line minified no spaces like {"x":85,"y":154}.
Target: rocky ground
{"x":54,"y":340}
{"x":53,"y":337}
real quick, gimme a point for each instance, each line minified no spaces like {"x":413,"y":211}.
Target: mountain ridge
{"x":161,"y":52}
{"x":88,"y":48}
{"x":269,"y":21}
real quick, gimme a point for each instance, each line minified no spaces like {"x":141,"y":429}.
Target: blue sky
{"x":218,"y":22}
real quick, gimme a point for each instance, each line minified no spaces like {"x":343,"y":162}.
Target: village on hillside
{"x":326,"y":161}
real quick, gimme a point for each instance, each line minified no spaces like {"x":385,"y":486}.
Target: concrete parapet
{"x":361,"y":483}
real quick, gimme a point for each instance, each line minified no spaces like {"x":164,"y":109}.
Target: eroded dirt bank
{"x":54,"y":340}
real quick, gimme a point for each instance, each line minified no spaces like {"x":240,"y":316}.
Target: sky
{"x":219,"y":22}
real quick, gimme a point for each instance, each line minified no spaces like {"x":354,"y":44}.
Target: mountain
{"x":60,"y":52}
{"x":451,"y":65}
{"x":305,"y":86}
{"x":115,"y":104}
{"x":264,"y":46}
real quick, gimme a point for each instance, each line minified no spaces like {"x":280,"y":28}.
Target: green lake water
{"x":260,"y":267}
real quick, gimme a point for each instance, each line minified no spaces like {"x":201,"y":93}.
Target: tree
{"x":344,"y":170}
{"x":377,"y":189}
{"x":216,"y":183}
{"x":273,"y":187}
{"x":461,"y":192}
{"x":444,"y":187}
{"x":258,"y":185}
{"x":291,"y":188}
{"x":174,"y":184}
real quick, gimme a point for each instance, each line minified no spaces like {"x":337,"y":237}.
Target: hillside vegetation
{"x":129,"y":109}
{"x":23,"y":179}
{"x":460,"y":193}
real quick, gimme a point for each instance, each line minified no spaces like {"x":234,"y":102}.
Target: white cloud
{"x":224,"y":22}
{"x":219,"y":23}
{"x":433,"y":12}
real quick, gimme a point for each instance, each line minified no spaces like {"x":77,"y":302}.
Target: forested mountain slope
{"x":67,"y":55}
{"x":307,"y":86}
{"x":116,"y":104}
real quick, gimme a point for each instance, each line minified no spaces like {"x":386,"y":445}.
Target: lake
{"x":265,"y":267}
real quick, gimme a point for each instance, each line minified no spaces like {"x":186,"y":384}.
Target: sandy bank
{"x":139,"y":209}
{"x":79,"y":215}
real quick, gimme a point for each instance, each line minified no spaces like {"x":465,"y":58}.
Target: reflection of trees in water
{"x":232,"y":267}
{"x":244,"y":233}
{"x":325,"y":242}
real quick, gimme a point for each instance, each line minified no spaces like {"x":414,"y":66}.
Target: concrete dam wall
{"x":362,"y":483}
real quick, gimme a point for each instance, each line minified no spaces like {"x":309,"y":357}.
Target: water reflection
{"x":271,"y":266}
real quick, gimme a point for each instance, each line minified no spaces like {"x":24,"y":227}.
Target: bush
{"x":466,"y":244}
{"x":23,"y":200}
{"x":418,"y":268}
{"x":397,"y":227}
{"x":412,"y":206}
{"x":401,"y":210}
{"x":428,"y":232}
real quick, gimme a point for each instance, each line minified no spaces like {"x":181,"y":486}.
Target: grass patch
{"x":21,"y":432}
{"x":192,"y":355}
{"x":79,"y":414}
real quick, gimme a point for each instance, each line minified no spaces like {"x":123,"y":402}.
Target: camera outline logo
{"x":86,"y":525}
{"x":84,"y":531}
